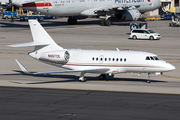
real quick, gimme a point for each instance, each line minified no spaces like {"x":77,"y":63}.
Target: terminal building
{"x":166,"y":5}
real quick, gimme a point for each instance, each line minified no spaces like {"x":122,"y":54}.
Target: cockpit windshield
{"x":153,"y":58}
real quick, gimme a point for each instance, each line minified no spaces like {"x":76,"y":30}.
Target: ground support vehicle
{"x":8,"y":14}
{"x":27,"y":17}
{"x":169,"y":15}
{"x":175,"y":23}
{"x":138,"y":25}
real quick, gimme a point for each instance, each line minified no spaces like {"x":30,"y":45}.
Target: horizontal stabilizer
{"x":34,"y":43}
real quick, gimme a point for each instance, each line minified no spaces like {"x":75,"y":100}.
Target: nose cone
{"x":170,"y":67}
{"x":17,"y":2}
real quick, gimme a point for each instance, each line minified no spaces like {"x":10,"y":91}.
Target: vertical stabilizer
{"x":39,"y":34}
{"x":40,"y":38}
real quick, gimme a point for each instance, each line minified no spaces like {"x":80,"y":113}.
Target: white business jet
{"x":79,"y":9}
{"x":103,"y":62}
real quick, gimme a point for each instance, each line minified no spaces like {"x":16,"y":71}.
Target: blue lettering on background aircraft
{"x":128,"y":1}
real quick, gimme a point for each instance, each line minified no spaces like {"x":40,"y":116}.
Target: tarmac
{"x":62,"y":96}
{"x":88,"y":34}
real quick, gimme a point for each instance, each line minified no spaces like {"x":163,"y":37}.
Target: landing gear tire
{"x":84,"y":79}
{"x":102,"y":77}
{"x":148,"y":81}
{"x":134,"y":37}
{"x":105,"y":22}
{"x":72,"y":21}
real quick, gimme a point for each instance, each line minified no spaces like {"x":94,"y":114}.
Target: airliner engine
{"x":129,"y":15}
{"x":60,"y":56}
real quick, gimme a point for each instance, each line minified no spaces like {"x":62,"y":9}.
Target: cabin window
{"x":96,"y":59}
{"x":117,"y":59}
{"x":101,"y":59}
{"x":105,"y":59}
{"x":93,"y":58}
{"x":124,"y":59}
{"x":113,"y":59}
{"x":109,"y":59}
{"x":121,"y":59}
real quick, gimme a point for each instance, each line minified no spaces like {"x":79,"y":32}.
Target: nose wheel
{"x":149,"y":77}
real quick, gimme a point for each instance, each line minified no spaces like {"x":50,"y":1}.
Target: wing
{"x":69,"y":71}
{"x":93,"y":11}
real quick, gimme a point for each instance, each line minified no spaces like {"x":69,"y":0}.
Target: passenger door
{"x":140,"y":34}
{"x":101,"y":59}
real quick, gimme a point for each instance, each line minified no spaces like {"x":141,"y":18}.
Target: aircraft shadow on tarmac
{"x":50,"y":23}
{"x":74,"y":78}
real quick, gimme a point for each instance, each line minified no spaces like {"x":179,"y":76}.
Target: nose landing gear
{"x":149,"y":77}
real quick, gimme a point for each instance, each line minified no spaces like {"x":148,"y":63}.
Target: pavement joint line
{"x":91,"y":90}
{"x":171,"y":76}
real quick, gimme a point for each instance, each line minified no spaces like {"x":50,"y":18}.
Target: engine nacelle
{"x":60,"y":56}
{"x":131,"y":15}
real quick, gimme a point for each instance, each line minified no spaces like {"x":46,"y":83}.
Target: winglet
{"x":22,"y":67}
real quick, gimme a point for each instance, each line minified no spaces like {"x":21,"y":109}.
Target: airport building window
{"x":176,"y":3}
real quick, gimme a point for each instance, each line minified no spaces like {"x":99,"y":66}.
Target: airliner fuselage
{"x":123,"y":9}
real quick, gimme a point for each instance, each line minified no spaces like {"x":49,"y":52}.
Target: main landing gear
{"x":72,"y":20}
{"x":106,"y":19}
{"x":106,"y":22}
{"x":82,"y":78}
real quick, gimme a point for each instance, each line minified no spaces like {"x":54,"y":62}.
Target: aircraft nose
{"x":170,"y":67}
{"x":17,"y":2}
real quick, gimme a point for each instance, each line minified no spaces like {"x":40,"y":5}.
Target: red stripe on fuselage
{"x":47,"y":4}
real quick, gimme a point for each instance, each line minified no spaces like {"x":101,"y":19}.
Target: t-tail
{"x":41,"y":40}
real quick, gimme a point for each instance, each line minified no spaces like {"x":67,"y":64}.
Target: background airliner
{"x":104,"y":9}
{"x":103,"y":62}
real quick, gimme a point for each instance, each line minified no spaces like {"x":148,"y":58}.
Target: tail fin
{"x":40,"y":36}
